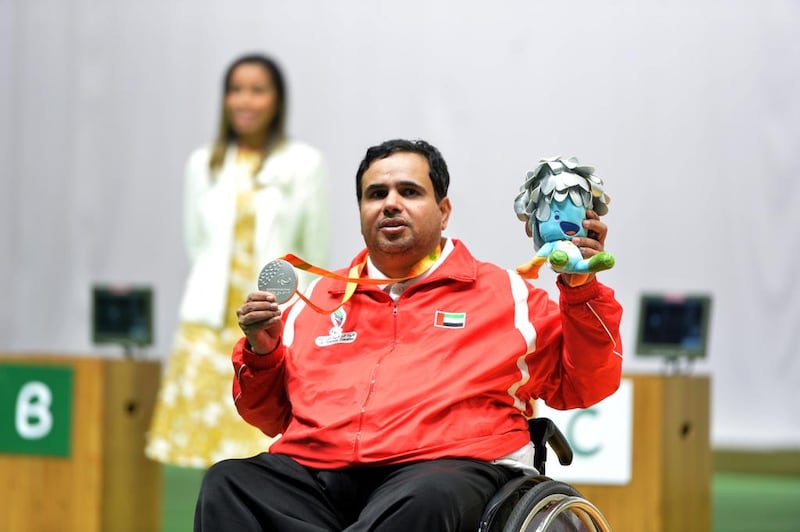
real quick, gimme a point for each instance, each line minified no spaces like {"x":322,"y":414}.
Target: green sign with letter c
{"x":572,"y":431}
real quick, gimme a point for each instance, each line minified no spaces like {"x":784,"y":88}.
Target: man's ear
{"x":446,"y":208}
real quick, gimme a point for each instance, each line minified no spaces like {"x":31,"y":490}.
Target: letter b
{"x":34,"y":419}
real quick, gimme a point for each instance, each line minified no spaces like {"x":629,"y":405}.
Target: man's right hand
{"x":260,"y":321}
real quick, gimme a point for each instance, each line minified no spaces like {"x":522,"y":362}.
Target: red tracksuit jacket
{"x":449,"y":370}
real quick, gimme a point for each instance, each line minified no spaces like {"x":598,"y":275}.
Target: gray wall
{"x":688,"y":109}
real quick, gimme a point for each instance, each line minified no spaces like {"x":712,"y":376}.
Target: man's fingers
{"x":259,"y":318}
{"x":595,"y":230}
{"x":261,"y":296}
{"x":260,"y":314}
{"x":253,"y":308}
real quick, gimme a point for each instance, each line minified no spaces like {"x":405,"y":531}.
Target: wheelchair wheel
{"x":499,"y":508}
{"x":554,"y":506}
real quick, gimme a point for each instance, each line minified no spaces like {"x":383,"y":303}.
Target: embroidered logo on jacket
{"x":336,"y":335}
{"x":450,"y":320}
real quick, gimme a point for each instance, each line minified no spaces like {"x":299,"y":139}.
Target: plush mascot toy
{"x":553,"y":202}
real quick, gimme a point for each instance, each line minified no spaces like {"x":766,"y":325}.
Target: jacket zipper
{"x":373,"y":376}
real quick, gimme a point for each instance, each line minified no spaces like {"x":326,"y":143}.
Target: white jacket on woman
{"x":291,"y":204}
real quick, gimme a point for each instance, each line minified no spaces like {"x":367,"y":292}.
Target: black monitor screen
{"x":673,"y":325}
{"x":122,"y":315}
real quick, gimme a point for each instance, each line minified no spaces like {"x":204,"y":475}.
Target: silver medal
{"x":279,"y":278}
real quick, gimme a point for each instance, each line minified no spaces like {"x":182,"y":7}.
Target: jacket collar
{"x":458,"y":266}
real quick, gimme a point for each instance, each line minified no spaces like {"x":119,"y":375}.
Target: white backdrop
{"x":688,"y":109}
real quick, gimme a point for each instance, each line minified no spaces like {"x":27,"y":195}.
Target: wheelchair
{"x":539,"y":503}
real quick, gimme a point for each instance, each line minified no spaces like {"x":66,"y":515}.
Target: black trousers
{"x":272,"y":492}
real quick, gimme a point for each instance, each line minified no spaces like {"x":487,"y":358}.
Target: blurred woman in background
{"x":251,"y":196}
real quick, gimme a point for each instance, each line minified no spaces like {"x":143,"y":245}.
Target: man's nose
{"x":392,"y":202}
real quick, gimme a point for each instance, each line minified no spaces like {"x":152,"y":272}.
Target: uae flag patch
{"x":450,"y":320}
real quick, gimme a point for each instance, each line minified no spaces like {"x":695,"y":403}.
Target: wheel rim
{"x":557,"y":504}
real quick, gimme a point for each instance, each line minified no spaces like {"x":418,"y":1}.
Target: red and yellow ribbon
{"x":353,"y":277}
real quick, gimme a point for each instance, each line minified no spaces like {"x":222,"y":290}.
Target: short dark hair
{"x":437,"y":168}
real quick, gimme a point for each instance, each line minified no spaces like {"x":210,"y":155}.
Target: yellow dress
{"x":195,"y":423}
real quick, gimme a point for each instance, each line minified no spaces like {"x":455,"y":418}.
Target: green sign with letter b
{"x":35,"y":409}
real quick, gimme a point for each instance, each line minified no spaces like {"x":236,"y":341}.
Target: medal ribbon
{"x":353,"y":277}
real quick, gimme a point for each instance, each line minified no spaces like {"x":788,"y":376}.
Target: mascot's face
{"x":564,"y":222}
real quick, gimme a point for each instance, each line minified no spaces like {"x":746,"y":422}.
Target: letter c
{"x":572,"y":431}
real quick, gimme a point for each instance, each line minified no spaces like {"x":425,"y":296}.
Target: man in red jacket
{"x":405,"y":409}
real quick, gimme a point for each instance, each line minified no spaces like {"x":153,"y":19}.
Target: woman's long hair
{"x":277,"y":127}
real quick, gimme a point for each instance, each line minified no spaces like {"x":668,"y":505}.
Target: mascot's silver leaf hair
{"x":558,"y":178}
